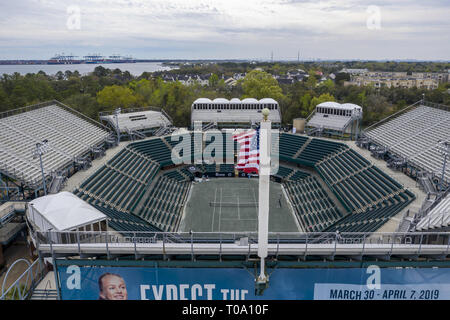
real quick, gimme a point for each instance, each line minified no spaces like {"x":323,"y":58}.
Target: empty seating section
{"x":373,"y":218}
{"x":209,"y":168}
{"x":117,"y":219}
{"x":283,"y":172}
{"x":227,"y":168}
{"x":370,"y":195}
{"x":342,"y":165}
{"x":415,"y":135}
{"x":68,"y":137}
{"x":123,"y":221}
{"x":175,"y":175}
{"x":155,"y":149}
{"x":189,"y":175}
{"x":122,"y":181}
{"x":289,"y":144}
{"x":179,"y":140}
{"x":131,"y":182}
{"x":316,"y":150}
{"x":162,"y":207}
{"x":312,"y":205}
{"x":298,"y":175}
{"x":286,"y":173}
{"x":223,"y":145}
{"x":135,"y":165}
{"x":114,"y":188}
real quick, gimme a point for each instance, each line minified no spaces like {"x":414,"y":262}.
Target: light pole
{"x":116,"y":114}
{"x":444,"y":148}
{"x":265,"y":144}
{"x":41,"y":148}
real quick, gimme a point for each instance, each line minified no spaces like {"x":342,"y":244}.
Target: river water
{"x":136,"y":69}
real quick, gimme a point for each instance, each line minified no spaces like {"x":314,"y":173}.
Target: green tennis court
{"x":230,"y":205}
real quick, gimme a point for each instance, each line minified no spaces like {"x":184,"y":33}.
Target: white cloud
{"x":231,"y":23}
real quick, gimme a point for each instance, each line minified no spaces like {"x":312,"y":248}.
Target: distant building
{"x":426,"y":80}
{"x":188,"y":79}
{"x":230,"y":82}
{"x":353,"y":71}
{"x":285,"y":80}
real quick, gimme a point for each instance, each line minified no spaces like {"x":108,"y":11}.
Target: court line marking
{"x":256,"y":209}
{"x":254,"y":198}
{"x":220,"y":211}
{"x":239,"y":213}
{"x":214,"y":211}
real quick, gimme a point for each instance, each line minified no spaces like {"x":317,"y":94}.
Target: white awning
{"x":63,"y":211}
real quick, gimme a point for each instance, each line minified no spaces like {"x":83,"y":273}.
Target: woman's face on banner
{"x":114,"y":288}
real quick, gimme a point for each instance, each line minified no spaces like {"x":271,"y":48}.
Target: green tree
{"x":213,"y":80}
{"x":84,"y":103}
{"x":116,"y":96}
{"x":259,"y":84}
{"x":318,"y":100}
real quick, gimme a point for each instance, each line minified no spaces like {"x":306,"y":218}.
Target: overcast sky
{"x":228,"y":29}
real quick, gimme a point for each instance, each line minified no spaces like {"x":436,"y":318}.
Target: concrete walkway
{"x":74,"y":181}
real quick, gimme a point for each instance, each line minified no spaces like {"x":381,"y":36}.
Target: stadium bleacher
{"x":286,"y":173}
{"x":69,"y":136}
{"x":289,"y":145}
{"x":438,"y":218}
{"x":370,"y":196}
{"x":312,"y":204}
{"x":155,"y":149}
{"x":163,"y":205}
{"x":134,"y":182}
{"x":414,"y":135}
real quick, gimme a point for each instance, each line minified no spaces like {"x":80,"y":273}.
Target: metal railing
{"x":24,"y":285}
{"x":129,"y":110}
{"x":79,"y":238}
{"x":376,"y":124}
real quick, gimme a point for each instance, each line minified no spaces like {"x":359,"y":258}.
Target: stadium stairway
{"x":302,"y":148}
{"x":41,"y":294}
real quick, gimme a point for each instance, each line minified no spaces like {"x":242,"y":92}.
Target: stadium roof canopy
{"x":335,"y":105}
{"x":138,"y":120}
{"x":63,"y":211}
{"x":235,"y":100}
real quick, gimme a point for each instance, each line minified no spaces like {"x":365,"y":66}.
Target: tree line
{"x":107,"y":89}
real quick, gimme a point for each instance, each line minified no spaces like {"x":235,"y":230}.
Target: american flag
{"x":248,"y":159}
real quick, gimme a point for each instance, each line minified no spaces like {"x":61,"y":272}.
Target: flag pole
{"x":263,"y":207}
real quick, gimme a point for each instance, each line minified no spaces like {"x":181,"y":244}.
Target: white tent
{"x":64,"y":212}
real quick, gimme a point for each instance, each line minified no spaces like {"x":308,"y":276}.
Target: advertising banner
{"x":147,"y":283}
